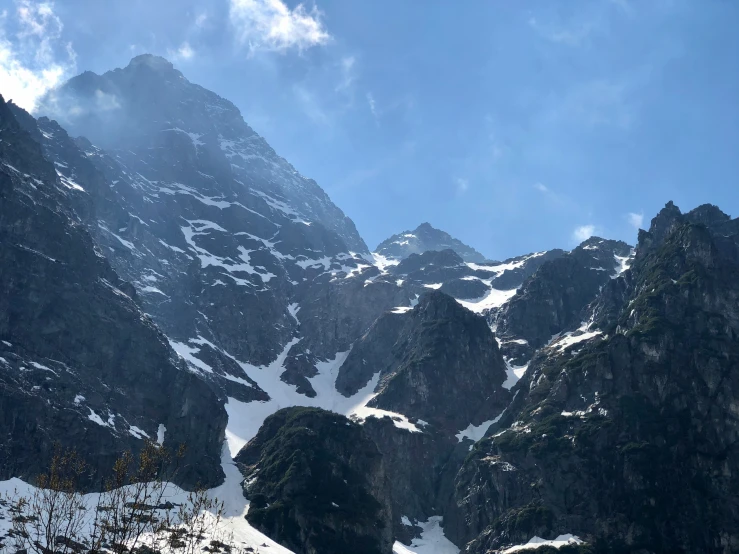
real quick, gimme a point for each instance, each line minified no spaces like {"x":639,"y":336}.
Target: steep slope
{"x":147,"y":105}
{"x":80,"y":364}
{"x":223,"y":240}
{"x":438,"y":367}
{"x":422,"y":239}
{"x":438,"y":362}
{"x":554,"y":299}
{"x":627,"y":437}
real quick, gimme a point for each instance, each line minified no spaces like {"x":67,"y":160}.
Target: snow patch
{"x":432,"y":540}
{"x":513,"y":374}
{"x":494,"y":298}
{"x":538,"y":542}
{"x":476,"y":432}
{"x":137,"y":432}
{"x":161,"y":431}
{"x":623,"y":263}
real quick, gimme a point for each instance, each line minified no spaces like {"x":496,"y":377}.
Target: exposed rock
{"x":425,"y":238}
{"x":438,"y":362}
{"x":317,"y":484}
{"x":554,"y":299}
{"x":80,"y":364}
{"x":626,"y":439}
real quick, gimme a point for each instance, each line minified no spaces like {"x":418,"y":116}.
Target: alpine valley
{"x":166,"y":275}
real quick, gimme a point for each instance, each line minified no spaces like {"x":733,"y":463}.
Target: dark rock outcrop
{"x":438,"y":362}
{"x":317,"y":484}
{"x":80,"y":364}
{"x":628,"y":439}
{"x":554,"y":299}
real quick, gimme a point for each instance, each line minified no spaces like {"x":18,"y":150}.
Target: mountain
{"x":222,"y":238}
{"x":149,"y":105}
{"x":80,"y":365}
{"x":625,"y":435}
{"x":164,"y":274}
{"x":422,"y":239}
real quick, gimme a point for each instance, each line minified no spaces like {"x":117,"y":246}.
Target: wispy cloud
{"x":35,"y":59}
{"x":555,"y":199}
{"x":572,"y":36}
{"x":347,"y":73}
{"x":184,"y":52}
{"x":372,"y":105}
{"x":635,"y":220}
{"x":583,"y":232}
{"x":595,"y":103}
{"x":271,"y":25}
{"x":311,"y":106}
{"x":461,"y":185}
{"x":201,"y":20}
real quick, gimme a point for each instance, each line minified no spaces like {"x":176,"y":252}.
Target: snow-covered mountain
{"x":165,"y":274}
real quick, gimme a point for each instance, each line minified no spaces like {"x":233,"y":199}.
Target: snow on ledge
{"x":477,"y":432}
{"x":536,"y":542}
{"x":399,"y":420}
{"x":432,"y":540}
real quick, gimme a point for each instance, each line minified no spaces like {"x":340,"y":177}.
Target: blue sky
{"x":514,"y":126}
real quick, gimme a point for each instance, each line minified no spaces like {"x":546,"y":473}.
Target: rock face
{"x":554,"y":299}
{"x":219,"y":235}
{"x":80,"y":364}
{"x":439,"y":365}
{"x":422,"y":239}
{"x":438,"y":362}
{"x":317,"y":484}
{"x":626,"y":437}
{"x":143,"y":105}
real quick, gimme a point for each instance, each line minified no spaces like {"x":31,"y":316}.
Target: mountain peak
{"x":152,"y":61}
{"x":153,"y":65}
{"x":423,"y":238}
{"x":150,"y":104}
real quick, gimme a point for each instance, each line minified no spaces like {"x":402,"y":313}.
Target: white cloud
{"x":462,"y":185}
{"x":541,"y":188}
{"x":573,"y":36}
{"x":635,"y":220}
{"x":184,"y":52}
{"x":271,"y":25}
{"x":35,"y":60}
{"x":311,"y":106}
{"x":372,"y":104}
{"x":201,"y":20}
{"x":347,"y":74}
{"x":583,"y":232}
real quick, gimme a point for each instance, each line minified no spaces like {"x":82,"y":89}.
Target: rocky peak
{"x":662,"y":224}
{"x":429,"y":261}
{"x":153,"y":63}
{"x":437,"y":305}
{"x":602,"y":415}
{"x":424,"y":358}
{"x":199,"y":138}
{"x":709,"y":215}
{"x":422,"y":239}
